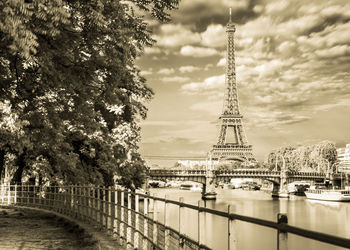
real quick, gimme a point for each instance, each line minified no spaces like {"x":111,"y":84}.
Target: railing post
{"x":106,"y":206}
{"x":94,"y":204}
{"x":27,"y":194}
{"x":85,"y":203}
{"x":97,"y":205}
{"x":155,"y":219}
{"x":90,"y":203}
{"x":79,"y":199}
{"x":145,"y":222}
{"x":8,"y":194}
{"x":282,"y":236}
{"x":15,"y":199}
{"x":111,"y":200}
{"x":129,"y":230}
{"x":199,"y":224}
{"x":166,"y":232}
{"x":181,"y":243}
{"x":117,"y":211}
{"x":101,"y":210}
{"x":72,"y":201}
{"x":75,"y":199}
{"x":122,"y":216}
{"x":231,"y":231}
{"x":137,"y":235}
{"x":64,"y":199}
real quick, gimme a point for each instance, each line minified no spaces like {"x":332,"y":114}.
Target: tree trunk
{"x":17,"y":177}
{"x":2,"y":164}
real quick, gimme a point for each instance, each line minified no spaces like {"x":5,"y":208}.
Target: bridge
{"x":209,"y":178}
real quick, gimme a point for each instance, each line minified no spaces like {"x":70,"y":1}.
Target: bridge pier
{"x":281,"y":190}
{"x":208,"y":190}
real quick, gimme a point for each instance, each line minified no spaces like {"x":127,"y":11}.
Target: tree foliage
{"x":70,"y":92}
{"x":316,"y":157}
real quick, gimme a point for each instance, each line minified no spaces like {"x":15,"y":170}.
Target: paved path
{"x":30,"y":229}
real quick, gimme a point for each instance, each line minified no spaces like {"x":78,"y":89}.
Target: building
{"x":344,"y":157}
{"x":194,"y":164}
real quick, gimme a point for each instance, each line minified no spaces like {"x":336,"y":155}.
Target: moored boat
{"x":191,"y":186}
{"x":298,"y":187}
{"x":328,"y":194}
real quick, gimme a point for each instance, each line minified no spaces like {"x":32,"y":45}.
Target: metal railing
{"x":235,"y":172}
{"x":135,"y":218}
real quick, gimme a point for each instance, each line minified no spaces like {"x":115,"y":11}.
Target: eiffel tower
{"x":236,"y":149}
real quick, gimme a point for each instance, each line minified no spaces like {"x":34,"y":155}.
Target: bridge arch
{"x":232,"y":158}
{"x":197,"y":179}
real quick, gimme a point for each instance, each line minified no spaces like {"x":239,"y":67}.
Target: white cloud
{"x":177,"y":79}
{"x":188,"y":69}
{"x":214,"y":36}
{"x":277,"y":6}
{"x":197,"y":51}
{"x":152,"y":50}
{"x":221,"y":62}
{"x":210,"y":83}
{"x":172,"y":35}
{"x":240,"y":61}
{"x":146,"y":72}
{"x":166,"y":71}
{"x":336,"y":51}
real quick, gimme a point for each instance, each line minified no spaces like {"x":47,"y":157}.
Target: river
{"x":326,"y":217}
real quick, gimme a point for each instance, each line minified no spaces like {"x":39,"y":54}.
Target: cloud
{"x":146,"y":72}
{"x":272,"y":119}
{"x":152,"y":50}
{"x":210,"y":83}
{"x":197,"y":51}
{"x":177,"y":79}
{"x":188,"y":69}
{"x":336,"y":51}
{"x":214,"y":36}
{"x":166,"y":71}
{"x":221,"y":62}
{"x":214,"y":12}
{"x":176,"y":35}
{"x":276,"y":7}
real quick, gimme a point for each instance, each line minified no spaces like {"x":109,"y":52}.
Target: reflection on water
{"x":326,"y":217}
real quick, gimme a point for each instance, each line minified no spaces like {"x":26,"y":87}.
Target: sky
{"x":292,"y":66}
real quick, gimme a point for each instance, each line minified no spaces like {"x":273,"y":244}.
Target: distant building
{"x":344,"y":156}
{"x":193,"y":164}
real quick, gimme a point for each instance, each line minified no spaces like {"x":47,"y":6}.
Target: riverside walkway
{"x":26,"y":228}
{"x":32,"y":229}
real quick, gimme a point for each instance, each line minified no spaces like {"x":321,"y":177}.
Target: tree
{"x":68,"y":76}
{"x":301,"y":158}
{"x":323,"y":155}
{"x":276,"y":157}
{"x":318,"y":157}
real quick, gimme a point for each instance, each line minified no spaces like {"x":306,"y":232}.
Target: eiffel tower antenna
{"x":231,"y":118}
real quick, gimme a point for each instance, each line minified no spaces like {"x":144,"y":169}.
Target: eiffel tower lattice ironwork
{"x":231,"y":119}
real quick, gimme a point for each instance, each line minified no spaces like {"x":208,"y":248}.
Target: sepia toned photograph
{"x":174,"y":124}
